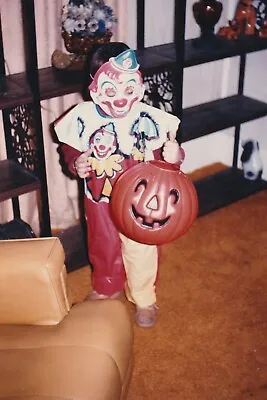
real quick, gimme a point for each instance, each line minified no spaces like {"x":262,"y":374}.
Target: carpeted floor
{"x":210,"y":342}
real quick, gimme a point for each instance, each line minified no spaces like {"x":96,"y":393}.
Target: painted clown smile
{"x":103,"y":153}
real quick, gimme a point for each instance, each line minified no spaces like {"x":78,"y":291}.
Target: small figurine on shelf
{"x":251,"y":160}
{"x":261,"y":21}
{"x":263,"y":30}
{"x":243,"y":23}
{"x":100,"y":140}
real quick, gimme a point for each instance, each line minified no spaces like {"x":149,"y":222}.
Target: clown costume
{"x":102,"y":139}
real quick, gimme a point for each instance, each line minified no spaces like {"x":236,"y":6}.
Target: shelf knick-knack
{"x":261,"y":17}
{"x":207,"y":13}
{"x":243,"y":23}
{"x":251,"y":161}
{"x":84,"y":23}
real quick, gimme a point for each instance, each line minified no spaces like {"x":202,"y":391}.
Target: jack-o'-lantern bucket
{"x":154,"y":203}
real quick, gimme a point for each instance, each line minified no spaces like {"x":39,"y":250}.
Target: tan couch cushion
{"x":33,"y":287}
{"x":87,"y":356}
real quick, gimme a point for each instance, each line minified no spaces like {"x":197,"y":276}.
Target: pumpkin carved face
{"x":154,"y":203}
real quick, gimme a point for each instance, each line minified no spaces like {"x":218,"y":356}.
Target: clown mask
{"x":117,"y":85}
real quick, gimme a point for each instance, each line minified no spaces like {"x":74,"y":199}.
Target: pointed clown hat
{"x":126,"y":61}
{"x":110,"y":128}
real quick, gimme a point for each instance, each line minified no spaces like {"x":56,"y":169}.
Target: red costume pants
{"x":114,"y":256}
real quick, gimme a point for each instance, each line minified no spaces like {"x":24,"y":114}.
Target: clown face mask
{"x":117,"y":85}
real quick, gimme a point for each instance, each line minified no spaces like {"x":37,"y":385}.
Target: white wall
{"x":207,"y":82}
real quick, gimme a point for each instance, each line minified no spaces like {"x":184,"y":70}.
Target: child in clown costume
{"x":101,"y":139}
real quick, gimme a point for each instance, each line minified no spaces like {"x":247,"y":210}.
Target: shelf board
{"x":15,"y":180}
{"x":198,"y":52}
{"x":14,"y":89}
{"x":54,"y":83}
{"x":223,"y":188}
{"x":220,"y":114}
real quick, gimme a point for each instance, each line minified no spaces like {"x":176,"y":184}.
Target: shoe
{"x":98,"y":296}
{"x":147,"y":316}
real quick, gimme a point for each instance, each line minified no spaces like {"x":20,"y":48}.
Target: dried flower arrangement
{"x":88,"y":18}
{"x":83,"y":24}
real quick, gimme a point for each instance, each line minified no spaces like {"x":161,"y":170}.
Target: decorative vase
{"x":78,"y":48}
{"x":207,"y":13}
{"x":81,"y":45}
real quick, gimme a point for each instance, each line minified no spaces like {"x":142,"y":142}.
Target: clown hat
{"x":110,"y":128}
{"x":126,"y":61}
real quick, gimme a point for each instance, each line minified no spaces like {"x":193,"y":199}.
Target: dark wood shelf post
{"x":28,"y":14}
{"x":3,"y":88}
{"x":178,"y":71}
{"x":140,"y":27}
{"x":242,"y":68}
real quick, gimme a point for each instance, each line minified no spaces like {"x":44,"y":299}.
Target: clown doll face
{"x":116,"y":87}
{"x":103,"y":143}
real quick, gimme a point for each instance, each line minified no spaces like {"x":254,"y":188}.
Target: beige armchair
{"x":50,"y":349}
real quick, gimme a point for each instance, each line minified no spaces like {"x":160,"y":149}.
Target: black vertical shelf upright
{"x":2,"y":63}
{"x":140,"y":32}
{"x":241,"y":80}
{"x":179,"y":40}
{"x":28,"y":15}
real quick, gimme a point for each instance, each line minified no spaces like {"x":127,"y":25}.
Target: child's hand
{"x":82,"y":165}
{"x":172,"y":152}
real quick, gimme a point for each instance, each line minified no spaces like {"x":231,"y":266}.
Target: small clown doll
{"x":101,"y":139}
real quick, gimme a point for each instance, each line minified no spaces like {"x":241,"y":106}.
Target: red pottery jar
{"x":207,"y":13}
